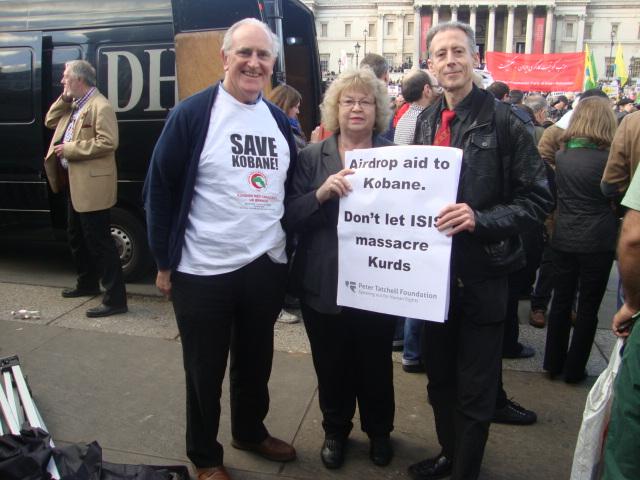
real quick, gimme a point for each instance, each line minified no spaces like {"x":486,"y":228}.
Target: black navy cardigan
{"x":170,"y":182}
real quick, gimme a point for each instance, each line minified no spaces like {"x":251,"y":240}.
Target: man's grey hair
{"x":83,"y":71}
{"x":377,"y":63}
{"x":227,"y":41}
{"x":536,"y":103}
{"x":466,"y":28}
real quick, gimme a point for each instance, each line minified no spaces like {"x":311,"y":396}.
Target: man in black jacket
{"x":502,"y":191}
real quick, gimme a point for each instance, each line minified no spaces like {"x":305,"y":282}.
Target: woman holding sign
{"x":351,"y":348}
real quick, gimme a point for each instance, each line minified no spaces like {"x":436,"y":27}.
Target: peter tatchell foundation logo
{"x":258,"y":180}
{"x":350,"y":285}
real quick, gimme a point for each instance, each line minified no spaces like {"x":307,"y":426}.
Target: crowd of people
{"x":536,"y":214}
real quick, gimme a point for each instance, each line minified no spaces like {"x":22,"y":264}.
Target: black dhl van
{"x":148,"y":54}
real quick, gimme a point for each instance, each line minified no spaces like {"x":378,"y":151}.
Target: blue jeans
{"x":412,"y":354}
{"x":398,"y":334}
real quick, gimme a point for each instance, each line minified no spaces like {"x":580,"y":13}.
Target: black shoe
{"x":514,"y":414}
{"x":103,"y":310}
{"x":575,"y":379}
{"x":380,"y":450}
{"x":524,"y":352}
{"x":332,"y":453}
{"x":397,"y":345}
{"x":431,"y":468}
{"x":80,"y":292}
{"x":413,"y":368}
{"x":291,"y":302}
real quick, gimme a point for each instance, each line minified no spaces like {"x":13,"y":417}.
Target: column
{"x":380,"y":34}
{"x":528,"y":46}
{"x":473,"y":9}
{"x":580,"y":39}
{"x":454,"y":13}
{"x":560,"y":19}
{"x":491,"y":29}
{"x":436,"y":15}
{"x":508,"y":48}
{"x":417,"y":33}
{"x":548,"y":29}
{"x":404,"y":37}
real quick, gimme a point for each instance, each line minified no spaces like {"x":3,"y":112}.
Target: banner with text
{"x":538,"y":72}
{"x":391,"y":257}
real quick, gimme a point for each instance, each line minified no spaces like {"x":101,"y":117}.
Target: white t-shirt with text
{"x":239,"y":191}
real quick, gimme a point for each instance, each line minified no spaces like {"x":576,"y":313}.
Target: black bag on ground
{"x":26,"y":456}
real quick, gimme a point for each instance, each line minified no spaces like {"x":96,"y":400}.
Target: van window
{"x":16,"y":85}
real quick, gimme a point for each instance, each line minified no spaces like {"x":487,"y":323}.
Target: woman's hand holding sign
{"x":456,"y":218}
{"x":335,"y":186}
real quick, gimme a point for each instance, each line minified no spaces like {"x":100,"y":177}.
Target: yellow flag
{"x":621,"y":70}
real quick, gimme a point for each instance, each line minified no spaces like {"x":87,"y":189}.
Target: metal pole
{"x":277,"y":24}
{"x":365,"y":41}
{"x":613,"y":35}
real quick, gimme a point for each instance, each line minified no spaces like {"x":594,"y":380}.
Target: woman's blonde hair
{"x":594,"y":119}
{"x":361,"y":80}
{"x":285,"y":97}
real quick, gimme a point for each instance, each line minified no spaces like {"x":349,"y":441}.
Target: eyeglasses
{"x":350,"y":103}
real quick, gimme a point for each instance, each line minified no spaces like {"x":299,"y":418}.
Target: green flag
{"x":590,"y":73}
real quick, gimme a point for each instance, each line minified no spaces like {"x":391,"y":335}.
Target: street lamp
{"x":365,"y":41}
{"x":339,"y":65}
{"x":356,"y":47}
{"x":613,"y":36}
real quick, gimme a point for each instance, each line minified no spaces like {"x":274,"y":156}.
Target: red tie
{"x":443,"y":135}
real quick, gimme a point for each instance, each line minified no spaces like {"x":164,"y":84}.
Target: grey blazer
{"x":314,"y":275}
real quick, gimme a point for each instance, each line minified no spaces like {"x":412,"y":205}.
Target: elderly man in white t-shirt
{"x":214,"y":199}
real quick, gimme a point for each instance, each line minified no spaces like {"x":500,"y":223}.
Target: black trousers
{"x":591,"y":271}
{"x":352,"y":358}
{"x":95,"y":255}
{"x":520,"y":283}
{"x":541,"y":295}
{"x":216,"y":314}
{"x":463,"y":359}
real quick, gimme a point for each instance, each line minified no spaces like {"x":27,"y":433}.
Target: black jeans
{"x":520,"y":283}
{"x":463,"y":358}
{"x":592,"y":271}
{"x":95,"y":255}
{"x":541,"y":295}
{"x":216,"y":314}
{"x":352,"y":358}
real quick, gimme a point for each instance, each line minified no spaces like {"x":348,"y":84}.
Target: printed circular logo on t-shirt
{"x":258,"y":180}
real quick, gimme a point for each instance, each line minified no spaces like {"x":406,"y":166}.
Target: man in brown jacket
{"x":81,"y":160}
{"x":624,"y":156}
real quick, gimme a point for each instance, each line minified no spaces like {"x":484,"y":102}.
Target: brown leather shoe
{"x":214,"y":473}
{"x":537,"y":319}
{"x":270,"y":448}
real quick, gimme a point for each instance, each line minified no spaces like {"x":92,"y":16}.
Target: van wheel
{"x":130,"y":237}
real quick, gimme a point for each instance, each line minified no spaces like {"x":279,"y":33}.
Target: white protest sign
{"x":391,"y":257}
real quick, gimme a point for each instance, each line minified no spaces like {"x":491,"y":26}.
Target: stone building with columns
{"x":396,"y":29}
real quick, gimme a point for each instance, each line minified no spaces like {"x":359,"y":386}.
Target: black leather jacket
{"x":506,"y":187}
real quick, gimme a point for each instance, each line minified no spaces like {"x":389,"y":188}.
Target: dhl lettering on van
{"x":140,"y":79}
